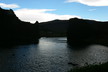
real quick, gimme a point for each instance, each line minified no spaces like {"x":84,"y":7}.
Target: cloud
{"x":41,"y":15}
{"x":91,"y":9}
{"x":91,"y":2}
{"x":9,"y":5}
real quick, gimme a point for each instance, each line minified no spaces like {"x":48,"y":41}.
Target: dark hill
{"x":83,"y":32}
{"x":14,"y":31}
{"x":54,"y":28}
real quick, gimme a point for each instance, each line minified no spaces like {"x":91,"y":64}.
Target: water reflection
{"x":50,"y":55}
{"x":93,"y":54}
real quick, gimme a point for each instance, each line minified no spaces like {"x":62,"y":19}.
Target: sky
{"x":47,"y":10}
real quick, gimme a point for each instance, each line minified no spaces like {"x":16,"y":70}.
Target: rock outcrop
{"x":13,"y":31}
{"x":85,"y":32}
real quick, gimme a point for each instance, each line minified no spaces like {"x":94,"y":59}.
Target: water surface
{"x":50,"y":55}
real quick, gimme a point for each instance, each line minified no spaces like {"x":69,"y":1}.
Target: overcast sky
{"x":46,"y":10}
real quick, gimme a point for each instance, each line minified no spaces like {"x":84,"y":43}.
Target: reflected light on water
{"x":50,"y":55}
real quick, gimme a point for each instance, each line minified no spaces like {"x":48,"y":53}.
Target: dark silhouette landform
{"x":79,"y":32}
{"x":13,"y":31}
{"x":82,"y":32}
{"x":55,"y":28}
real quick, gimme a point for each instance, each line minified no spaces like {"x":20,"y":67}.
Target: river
{"x":50,"y":55}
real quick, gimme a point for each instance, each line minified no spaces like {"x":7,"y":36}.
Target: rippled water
{"x":50,"y":55}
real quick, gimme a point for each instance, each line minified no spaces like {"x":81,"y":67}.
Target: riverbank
{"x":92,"y":68}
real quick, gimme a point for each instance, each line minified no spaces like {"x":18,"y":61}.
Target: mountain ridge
{"x":14,"y":31}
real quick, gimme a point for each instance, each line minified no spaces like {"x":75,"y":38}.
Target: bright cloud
{"x":9,"y":5}
{"x":41,"y":15}
{"x":91,"y":2}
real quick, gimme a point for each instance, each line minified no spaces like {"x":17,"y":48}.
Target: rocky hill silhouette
{"x":82,"y":32}
{"x":13,"y":31}
{"x":54,"y":28}
{"x":79,"y":32}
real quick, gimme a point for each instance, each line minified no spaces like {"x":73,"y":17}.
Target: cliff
{"x":83,"y":32}
{"x":13,"y":31}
